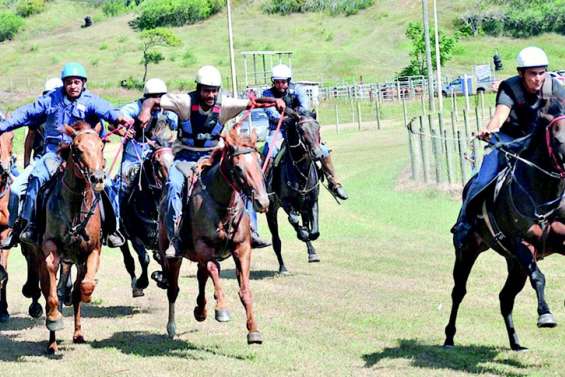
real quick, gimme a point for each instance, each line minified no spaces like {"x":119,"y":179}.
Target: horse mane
{"x":64,"y":148}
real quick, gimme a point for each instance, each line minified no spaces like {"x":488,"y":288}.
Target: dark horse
{"x":215,"y":226}
{"x":6,"y":161}
{"x":294,"y":184}
{"x":73,"y":226}
{"x":517,"y":221}
{"x":140,"y":212}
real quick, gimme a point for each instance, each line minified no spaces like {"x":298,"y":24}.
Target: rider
{"x":61,"y":106}
{"x":136,"y":150}
{"x":295,"y":98}
{"x":203,"y":114}
{"x":518,"y":102}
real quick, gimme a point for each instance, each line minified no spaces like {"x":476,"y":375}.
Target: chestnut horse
{"x":73,"y":226}
{"x":6,"y":161}
{"x":519,"y":223}
{"x":215,"y":226}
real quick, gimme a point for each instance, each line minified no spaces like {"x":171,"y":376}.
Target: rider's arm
{"x":28,"y":145}
{"x":27,"y":115}
{"x":501,"y":113}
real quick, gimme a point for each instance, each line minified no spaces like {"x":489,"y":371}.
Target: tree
{"x":152,"y":39}
{"x":415,"y":34}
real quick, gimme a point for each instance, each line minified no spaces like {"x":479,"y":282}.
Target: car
{"x":259,"y":121}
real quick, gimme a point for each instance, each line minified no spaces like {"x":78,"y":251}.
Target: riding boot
{"x":115,"y":239}
{"x":12,"y":238}
{"x":257,"y":242}
{"x":333,"y":183}
{"x":29,"y":233}
{"x":173,"y":251}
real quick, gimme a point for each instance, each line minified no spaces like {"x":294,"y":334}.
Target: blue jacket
{"x":54,"y":109}
{"x":136,"y":149}
{"x":295,"y":98}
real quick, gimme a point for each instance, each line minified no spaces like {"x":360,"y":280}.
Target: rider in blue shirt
{"x":295,"y":98}
{"x":64,"y":105}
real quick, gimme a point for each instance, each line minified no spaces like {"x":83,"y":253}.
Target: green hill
{"x":370,"y":44}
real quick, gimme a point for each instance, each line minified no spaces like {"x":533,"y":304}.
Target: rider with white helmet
{"x":202,"y":114}
{"x":518,"y":102}
{"x":295,"y":98}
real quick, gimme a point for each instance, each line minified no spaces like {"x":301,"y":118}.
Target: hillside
{"x":370,"y":44}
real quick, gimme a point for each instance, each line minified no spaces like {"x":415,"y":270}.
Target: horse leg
{"x":272,"y":221}
{"x":514,"y":283}
{"x":309,"y":220}
{"x":130,"y":265}
{"x":294,"y":219}
{"x":143,"y":258}
{"x":464,"y":260}
{"x":314,"y":224}
{"x":48,"y":272}
{"x":172,"y":271}
{"x":222,"y":314}
{"x":4,"y":315}
{"x":242,"y":258}
{"x":76,"y":299}
{"x":31,"y":287}
{"x":525,"y":253}
{"x":200,"y":312}
{"x":64,"y":286}
{"x":87,"y":284}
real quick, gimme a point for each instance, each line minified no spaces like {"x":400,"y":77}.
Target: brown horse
{"x":73,"y":226}
{"x":215,"y":226}
{"x":5,"y":180}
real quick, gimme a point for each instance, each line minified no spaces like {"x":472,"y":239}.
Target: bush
{"x":132,"y":83}
{"x":114,"y":7}
{"x":157,"y":13}
{"x":333,"y":7}
{"x":26,"y":8}
{"x":9,"y":25}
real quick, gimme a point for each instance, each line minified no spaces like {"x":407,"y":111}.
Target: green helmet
{"x":73,"y":70}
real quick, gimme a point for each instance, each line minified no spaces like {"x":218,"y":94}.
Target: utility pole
{"x":232,"y":58}
{"x":425,"y":14}
{"x":438,"y":60}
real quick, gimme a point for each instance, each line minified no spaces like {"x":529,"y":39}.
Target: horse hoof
{"x":283,"y":271}
{"x":314,"y":236}
{"x":55,"y":325}
{"x":519,"y":348}
{"x":547,"y":320}
{"x":136,"y":292}
{"x":79,"y":339}
{"x":171,"y":330}
{"x":35,"y":310}
{"x":52,"y":350}
{"x":222,"y":315}
{"x":313,"y":258}
{"x":4,"y":317}
{"x":254,"y":337}
{"x":200,"y":314}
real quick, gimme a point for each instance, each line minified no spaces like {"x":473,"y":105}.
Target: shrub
{"x":333,"y":7}
{"x":9,"y":25}
{"x":132,"y":83}
{"x":157,"y":13}
{"x":26,"y":8}
{"x":114,"y":7}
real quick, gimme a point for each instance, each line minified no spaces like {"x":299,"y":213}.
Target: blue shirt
{"x":295,"y":98}
{"x":55,"y":110}
{"x":134,"y":150}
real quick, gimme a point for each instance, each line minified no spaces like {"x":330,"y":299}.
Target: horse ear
{"x":98,"y":127}
{"x":70,"y":130}
{"x":253,"y":136}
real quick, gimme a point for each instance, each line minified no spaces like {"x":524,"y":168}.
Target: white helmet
{"x":281,"y":72}
{"x":209,"y":75}
{"x":531,"y":57}
{"x":154,"y":86}
{"x":52,"y":83}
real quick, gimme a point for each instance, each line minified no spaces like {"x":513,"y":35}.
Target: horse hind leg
{"x":48,"y":272}
{"x":514,"y":283}
{"x":65,"y":285}
{"x":78,"y":337}
{"x":172,"y":270}
{"x":31,"y":287}
{"x":242,"y":258}
{"x":4,"y":315}
{"x":143,"y":258}
{"x":464,"y":261}
{"x":272,"y":221}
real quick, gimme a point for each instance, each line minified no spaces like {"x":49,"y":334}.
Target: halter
{"x":306,"y":189}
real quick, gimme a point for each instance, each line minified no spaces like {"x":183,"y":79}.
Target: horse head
{"x":161,"y":161}
{"x":242,"y":168}
{"x":6,"y":157}
{"x":553,"y":120}
{"x":307,"y":131}
{"x":85,"y":154}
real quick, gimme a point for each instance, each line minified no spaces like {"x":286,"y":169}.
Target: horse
{"x":215,"y":226}
{"x":518,"y":221}
{"x":294,"y":184}
{"x":6,"y":162}
{"x":140,"y":213}
{"x":73,"y":226}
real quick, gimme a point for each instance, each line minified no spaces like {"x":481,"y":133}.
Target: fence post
{"x":447,"y":159}
{"x":461,"y":157}
{"x":422,"y":104}
{"x":404,"y":110}
{"x":352,"y":110}
{"x":412,"y":151}
{"x":477,"y":119}
{"x":466,"y":91}
{"x":454,"y":104}
{"x":466,"y":123}
{"x":433,"y":135}
{"x":336,"y":119}
{"x":482,"y":100}
{"x":378,"y":114}
{"x":423,"y":152}
{"x":398,"y":90}
{"x":359,"y":116}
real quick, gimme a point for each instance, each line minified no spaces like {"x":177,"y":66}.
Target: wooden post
{"x":423,"y":105}
{"x":453,"y":127}
{"x":435,"y":152}
{"x":378,"y":114}
{"x":441,"y":129}
{"x":399,"y":95}
{"x":447,"y":159}
{"x":482,"y":101}
{"x":461,"y":157}
{"x":358,"y":116}
{"x":423,"y":152}
{"x":336,"y":118}
{"x":466,"y":91}
{"x":454,"y":104}
{"x":352,"y":110}
{"x":412,"y":151}
{"x":466,"y":123}
{"x":404,"y":110}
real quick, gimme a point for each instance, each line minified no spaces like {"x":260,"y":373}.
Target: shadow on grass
{"x":142,"y":343}
{"x":13,"y":349}
{"x":471,"y":359}
{"x":254,"y":275}
{"x":98,"y":311}
{"x":20,"y":323}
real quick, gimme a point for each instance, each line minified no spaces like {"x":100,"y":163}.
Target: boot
{"x":12,"y":239}
{"x":333,"y":183}
{"x":257,"y":242}
{"x":173,"y":251}
{"x":29,"y":233}
{"x":115,"y":239}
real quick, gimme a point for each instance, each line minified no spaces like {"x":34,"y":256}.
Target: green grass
{"x":375,"y":305}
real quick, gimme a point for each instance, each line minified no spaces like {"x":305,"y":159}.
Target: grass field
{"x":375,"y":305}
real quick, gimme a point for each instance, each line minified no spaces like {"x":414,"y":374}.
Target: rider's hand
{"x":280,"y":105}
{"x":484,"y":135}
